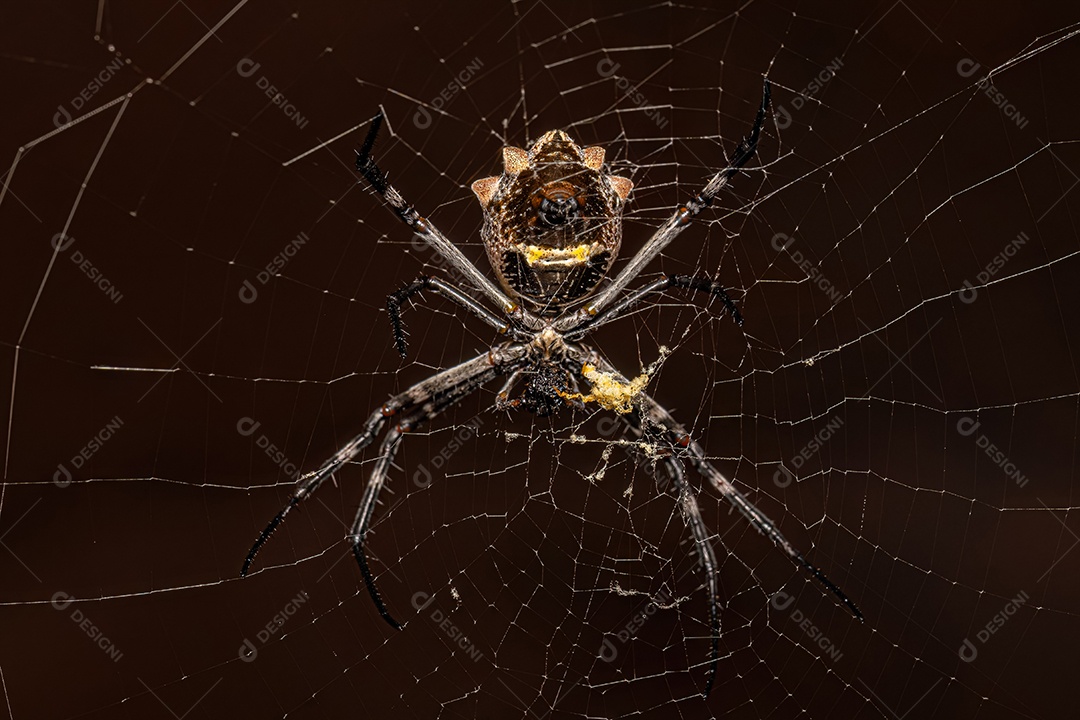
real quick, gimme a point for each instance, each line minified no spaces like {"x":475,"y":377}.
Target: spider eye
{"x":562,"y":211}
{"x":558,"y":204}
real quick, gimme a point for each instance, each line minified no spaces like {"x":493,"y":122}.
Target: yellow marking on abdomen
{"x":541,"y":255}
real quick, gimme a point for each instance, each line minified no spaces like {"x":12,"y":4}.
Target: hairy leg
{"x":421,"y":402}
{"x":682,"y":217}
{"x":698,"y":283}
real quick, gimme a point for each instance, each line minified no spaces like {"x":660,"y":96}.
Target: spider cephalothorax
{"x":552,"y":229}
{"x":552,"y":221}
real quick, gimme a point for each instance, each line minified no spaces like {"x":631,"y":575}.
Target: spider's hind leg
{"x":365,"y":164}
{"x":683,"y":215}
{"x":418,"y":405}
{"x":649,"y":417}
{"x":362,"y":523}
{"x":696,"y":456}
{"x":455,"y":260}
{"x":691,"y":515}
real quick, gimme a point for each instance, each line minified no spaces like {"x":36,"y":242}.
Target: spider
{"x":552,"y":229}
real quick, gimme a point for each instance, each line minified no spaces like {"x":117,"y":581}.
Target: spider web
{"x":194,"y":286}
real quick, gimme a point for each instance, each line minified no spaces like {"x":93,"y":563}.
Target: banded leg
{"x":363,"y":519}
{"x":381,"y":471}
{"x":448,"y":291}
{"x":419,"y":403}
{"x":691,"y":515}
{"x":682,"y":217}
{"x":696,"y":455}
{"x":676,"y":436}
{"x":698,"y":283}
{"x":502,"y":400}
{"x":367,"y":167}
{"x":308,"y":484}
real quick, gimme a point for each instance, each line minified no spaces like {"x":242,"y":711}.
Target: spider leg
{"x":363,"y":519}
{"x":421,"y":413}
{"x":448,"y":291}
{"x":419,"y":403}
{"x":697,"y":283}
{"x":682,"y":217}
{"x":696,"y":455}
{"x":675,"y":435}
{"x":691,"y":515}
{"x":367,"y":167}
{"x":502,"y":400}
{"x":308,"y":484}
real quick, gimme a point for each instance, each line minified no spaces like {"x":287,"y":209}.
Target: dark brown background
{"x":900,"y":179}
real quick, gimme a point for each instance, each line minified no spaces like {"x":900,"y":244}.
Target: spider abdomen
{"x":552,"y":221}
{"x":553,"y":287}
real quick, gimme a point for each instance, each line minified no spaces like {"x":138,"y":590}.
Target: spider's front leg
{"x":448,"y":291}
{"x":308,"y":484}
{"x":423,"y":227}
{"x":579,"y":328}
{"x":425,"y":406}
{"x":363,"y":519}
{"x":682,"y":217}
